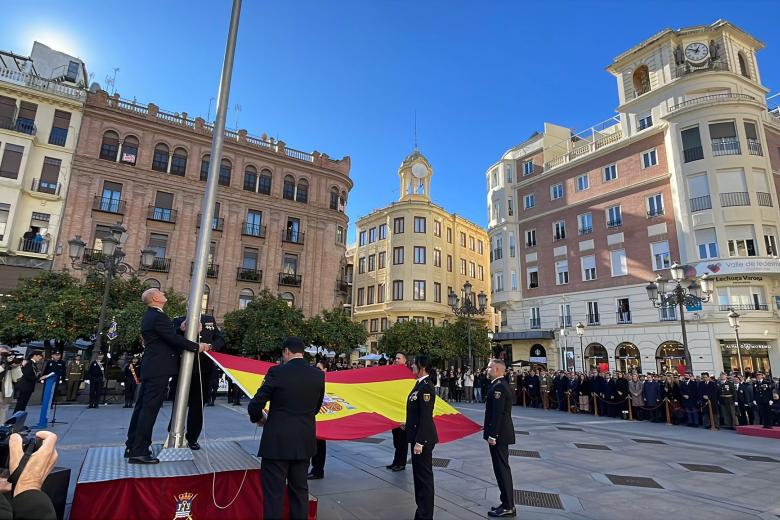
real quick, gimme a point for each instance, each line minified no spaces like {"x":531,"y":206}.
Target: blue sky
{"x":345,"y":77}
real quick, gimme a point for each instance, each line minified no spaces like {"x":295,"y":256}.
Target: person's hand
{"x":491,"y":441}
{"x":183,"y":326}
{"x":40,"y":464}
{"x":418,"y":448}
{"x":24,"y":363}
{"x":204,"y":347}
{"x":263,"y":418}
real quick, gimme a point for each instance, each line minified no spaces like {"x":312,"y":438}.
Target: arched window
{"x":641,"y":80}
{"x":110,"y":146}
{"x":224,"y":172}
{"x":250,"y":178}
{"x":245,"y":298}
{"x":179,"y":162}
{"x":288,"y":190}
{"x":129,"y":150}
{"x":289,"y":298}
{"x":343,"y":201}
{"x":596,"y":357}
{"x":627,"y":358}
{"x":204,"y":301}
{"x":670,"y":356}
{"x":264,"y":182}
{"x":150,"y":283}
{"x":743,"y":68}
{"x":160,"y":159}
{"x":334,"y":198}
{"x":302,"y":193}
{"x":204,"y":167}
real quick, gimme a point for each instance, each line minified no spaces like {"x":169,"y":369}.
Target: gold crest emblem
{"x":184,"y":506}
{"x":426,"y":397}
{"x":497,"y":394}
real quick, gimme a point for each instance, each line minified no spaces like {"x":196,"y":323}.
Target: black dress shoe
{"x":143,"y":459}
{"x":390,"y":466}
{"x":495,"y":508}
{"x":193,"y":446}
{"x":501,"y":512}
{"x":312,"y":476}
{"x":398,"y":468}
{"x":127,"y":453}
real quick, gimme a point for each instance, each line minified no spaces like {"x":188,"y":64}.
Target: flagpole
{"x":194,"y":306}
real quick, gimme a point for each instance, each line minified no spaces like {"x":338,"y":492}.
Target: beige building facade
{"x":686,"y":171}
{"x":411,"y":254}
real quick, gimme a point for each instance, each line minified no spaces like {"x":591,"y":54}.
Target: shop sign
{"x":746,"y":346}
{"x":542,"y":359}
{"x":738,"y":266}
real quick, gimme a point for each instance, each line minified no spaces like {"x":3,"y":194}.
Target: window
{"x":618,"y":261}
{"x":528,"y":167}
{"x":649,"y":158}
{"x":562,"y":272}
{"x":364,"y":324}
{"x":480,"y":272}
{"x":498,"y":282}
{"x":610,"y":172}
{"x":341,"y":236}
{"x":382,"y":259}
{"x":25,"y":119}
{"x":204,"y":167}
{"x":370,"y":295}
{"x":398,"y":255}
{"x":508,"y":173}
{"x":644,"y":122}
{"x":513,"y":280}
{"x":361,"y":265}
{"x":743,"y":68}
{"x":264,"y":182}
{"x":559,"y":230}
{"x":662,"y":259}
{"x":437,"y":292}
{"x":250,"y":258}
{"x":691,"y":142}
{"x":398,"y":290}
{"x":419,"y":290}
{"x":641,"y":80}
{"x":334,"y":198}
{"x":480,"y":247}
{"x":7,"y":111}
{"x":50,"y":174}
{"x":564,"y":315}
{"x":742,"y":298}
{"x":707,"y":243}
{"x":556,"y":191}
{"x":498,"y":250}
{"x":157,"y":243}
{"x":463,"y":266}
{"x":419,"y":224}
{"x":582,"y":182}
{"x":361,"y":296}
{"x":302,"y":191}
{"x":462,"y":239}
{"x":160,"y":158}
{"x":724,"y":138}
{"x":382,"y":231}
{"x":655,"y":205}
{"x":536,"y":318}
{"x":288,"y":188}
{"x":224,"y":173}
{"x":449,"y":263}
{"x":472,"y":243}
{"x":494,"y":176}
{"x":770,"y":240}
{"x":109,"y":147}
{"x":533,"y":277}
{"x":163,"y":206}
{"x":59,"y":128}
{"x":374,"y":322}
{"x":436,"y":257}
{"x":129,"y":152}
{"x":614,"y":217}
{"x":73,"y":71}
{"x":372,"y":235}
{"x":436,"y":228}
{"x":398,"y":225}
{"x":179,"y":162}
{"x":588,"y":264}
{"x":12,"y":161}
{"x":585,"y":224}
{"x":371,"y":263}
{"x":449,"y":235}
{"x":362,"y":238}
{"x":250,"y":179}
{"x":751,"y":135}
{"x":593,"y":313}
{"x":380,"y":293}
{"x":529,"y":201}
{"x":530,"y":238}
{"x":5,"y":211}
{"x":512,"y":245}
{"x":419,"y":255}
{"x":510,"y":206}
{"x":472,"y":270}
{"x":384,"y":324}
{"x":742,"y":247}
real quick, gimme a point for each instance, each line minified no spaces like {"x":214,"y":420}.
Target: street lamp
{"x":468,"y":309}
{"x":111,"y":263}
{"x":580,"y":328}
{"x":734,"y":322}
{"x":699,"y":291}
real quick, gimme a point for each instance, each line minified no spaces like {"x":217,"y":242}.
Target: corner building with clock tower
{"x":686,"y":171}
{"x":411,"y":254}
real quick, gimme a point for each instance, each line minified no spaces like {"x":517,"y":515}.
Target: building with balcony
{"x":686,"y":171}
{"x":411,"y":254}
{"x":279,"y":221}
{"x":41,"y":102}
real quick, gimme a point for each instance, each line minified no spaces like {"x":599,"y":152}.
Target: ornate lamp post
{"x":734,"y":322}
{"x":110,"y":263}
{"x":468,"y":309}
{"x":580,"y":328}
{"x":699,"y":291}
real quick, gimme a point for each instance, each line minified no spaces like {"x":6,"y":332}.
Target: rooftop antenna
{"x":111,"y":81}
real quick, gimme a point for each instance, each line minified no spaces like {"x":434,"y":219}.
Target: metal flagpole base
{"x":175,"y":454}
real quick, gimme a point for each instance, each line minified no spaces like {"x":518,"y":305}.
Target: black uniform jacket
{"x":419,"y":414}
{"x":96,"y":371}
{"x":30,"y":376}
{"x":498,"y":413}
{"x":295,"y":391}
{"x":162,"y":346}
{"x":210,"y":334}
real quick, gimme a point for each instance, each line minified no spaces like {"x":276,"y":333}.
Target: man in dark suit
{"x":30,"y":376}
{"x":399,"y":435}
{"x":201,"y":375}
{"x":162,"y":349}
{"x":500,"y":433}
{"x":422,"y":435}
{"x":57,"y":366}
{"x":96,"y":377}
{"x":295,"y":391}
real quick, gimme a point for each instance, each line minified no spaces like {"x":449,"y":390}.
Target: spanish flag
{"x":359,"y":402}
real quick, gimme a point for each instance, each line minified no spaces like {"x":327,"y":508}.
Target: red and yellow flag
{"x":359,"y":402}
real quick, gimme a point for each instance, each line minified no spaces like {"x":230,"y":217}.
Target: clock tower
{"x":415,"y":173}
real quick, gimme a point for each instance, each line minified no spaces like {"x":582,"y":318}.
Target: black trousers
{"x":765,"y":415}
{"x":422,"y":470}
{"x":199,"y":390}
{"x":150,"y":399}
{"x":130,"y":393}
{"x":499,"y":456}
{"x":21,"y":401}
{"x":95,"y":391}
{"x":318,"y":460}
{"x":401,"y":446}
{"x":273,"y":473}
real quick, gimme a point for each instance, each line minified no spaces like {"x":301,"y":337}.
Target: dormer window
{"x":641,"y":80}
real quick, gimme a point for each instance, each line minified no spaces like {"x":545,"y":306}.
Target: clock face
{"x":697,"y":51}
{"x":419,"y":171}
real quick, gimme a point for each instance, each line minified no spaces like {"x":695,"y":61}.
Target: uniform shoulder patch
{"x":426,"y":397}
{"x":497,"y":394}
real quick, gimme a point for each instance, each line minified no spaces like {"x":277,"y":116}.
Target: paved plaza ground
{"x":574,"y":461}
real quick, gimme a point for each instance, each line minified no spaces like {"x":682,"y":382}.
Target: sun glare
{"x":54,"y":38}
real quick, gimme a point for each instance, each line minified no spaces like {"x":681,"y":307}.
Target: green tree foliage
{"x":128,"y":319}
{"x":446,"y":343}
{"x":456,"y":339}
{"x":334,"y":331}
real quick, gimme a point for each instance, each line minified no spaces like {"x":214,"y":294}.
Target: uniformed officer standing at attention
{"x":75,"y":376}
{"x":295,"y":391}
{"x":400,"y":443}
{"x":201,"y":375}
{"x":96,"y":376}
{"x":56,"y":365}
{"x":421,"y":434}
{"x":762,"y":393}
{"x":500,"y":433}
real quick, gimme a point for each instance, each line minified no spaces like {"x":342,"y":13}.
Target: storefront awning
{"x":527,"y":334}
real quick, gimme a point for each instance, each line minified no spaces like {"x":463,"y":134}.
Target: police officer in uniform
{"x":399,"y":435}
{"x":762,"y":392}
{"x":544,"y":389}
{"x":500,"y":433}
{"x":75,"y":374}
{"x":201,"y":374}
{"x":96,"y":376}
{"x":745,"y":401}
{"x":56,"y":365}
{"x":421,"y":434}
{"x":727,"y":394}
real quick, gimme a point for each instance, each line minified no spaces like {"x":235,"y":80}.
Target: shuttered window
{"x":12,"y":160}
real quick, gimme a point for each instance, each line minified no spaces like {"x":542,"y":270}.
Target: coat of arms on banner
{"x":184,"y":506}
{"x":332,"y":403}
